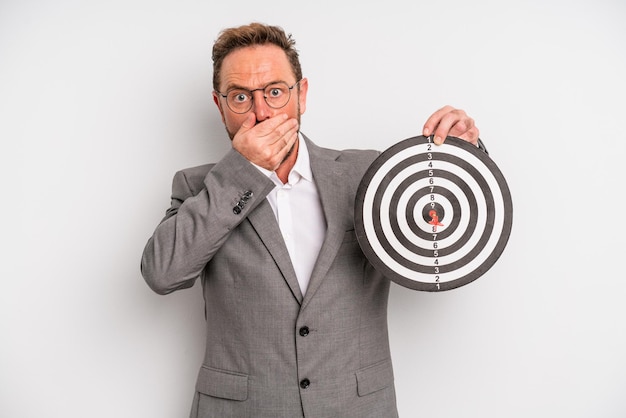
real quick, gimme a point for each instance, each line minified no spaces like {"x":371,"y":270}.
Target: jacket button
{"x":305,"y":383}
{"x":304,"y":331}
{"x":236,"y":210}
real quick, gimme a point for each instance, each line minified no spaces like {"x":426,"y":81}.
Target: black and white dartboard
{"x":433,"y":217}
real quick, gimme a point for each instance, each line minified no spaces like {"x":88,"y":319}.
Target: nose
{"x":260,"y":107}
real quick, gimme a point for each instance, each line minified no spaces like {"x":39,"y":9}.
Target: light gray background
{"x":101,"y":102}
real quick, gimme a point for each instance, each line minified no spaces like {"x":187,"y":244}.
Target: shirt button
{"x":305,"y":383}
{"x":304,"y":331}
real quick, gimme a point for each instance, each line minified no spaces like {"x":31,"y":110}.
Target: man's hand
{"x":267,"y":143}
{"x":449,"y":121}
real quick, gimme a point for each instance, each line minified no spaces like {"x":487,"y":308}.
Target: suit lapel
{"x":264,"y":223}
{"x":326,"y":172}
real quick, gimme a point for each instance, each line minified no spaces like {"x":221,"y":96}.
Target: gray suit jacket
{"x":270,"y":352}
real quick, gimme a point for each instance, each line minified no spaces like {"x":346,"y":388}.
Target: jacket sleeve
{"x":203,"y":212}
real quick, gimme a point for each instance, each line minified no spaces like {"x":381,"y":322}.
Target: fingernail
{"x":426,"y":132}
{"x":438,"y":140}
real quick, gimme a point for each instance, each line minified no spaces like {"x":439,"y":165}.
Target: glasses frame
{"x":289,"y":88}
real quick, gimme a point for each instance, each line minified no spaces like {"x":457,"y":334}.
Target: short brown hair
{"x":253,"y":34}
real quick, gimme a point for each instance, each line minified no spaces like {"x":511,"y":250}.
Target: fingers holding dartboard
{"x":433,"y":217}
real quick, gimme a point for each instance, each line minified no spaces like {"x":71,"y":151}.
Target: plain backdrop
{"x":102,"y":101}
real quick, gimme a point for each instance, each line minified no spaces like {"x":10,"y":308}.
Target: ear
{"x":218,"y":103}
{"x":304,"y":88}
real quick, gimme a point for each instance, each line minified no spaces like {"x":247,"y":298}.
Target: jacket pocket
{"x":222,"y":384}
{"x":374,"y":378}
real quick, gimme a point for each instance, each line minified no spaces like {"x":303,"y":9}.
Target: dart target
{"x":433,"y":217}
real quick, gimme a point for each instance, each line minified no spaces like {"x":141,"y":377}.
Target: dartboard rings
{"x":433,"y":217}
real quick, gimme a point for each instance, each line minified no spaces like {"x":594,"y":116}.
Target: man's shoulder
{"x":192,"y":177}
{"x":358,"y":154}
{"x":348,"y":154}
{"x":197,"y":171}
{"x":356,"y":158}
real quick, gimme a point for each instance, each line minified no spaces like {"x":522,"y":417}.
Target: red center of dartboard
{"x":434,"y":214}
{"x":434,"y":218}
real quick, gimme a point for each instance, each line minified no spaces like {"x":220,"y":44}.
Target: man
{"x":296,"y":316}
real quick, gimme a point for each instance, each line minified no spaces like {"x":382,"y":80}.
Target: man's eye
{"x":275,"y":92}
{"x":240,"y":97}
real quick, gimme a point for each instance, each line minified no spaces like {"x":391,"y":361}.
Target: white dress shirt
{"x":298,"y":210}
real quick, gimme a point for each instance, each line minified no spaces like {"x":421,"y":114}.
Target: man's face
{"x":252,"y":68}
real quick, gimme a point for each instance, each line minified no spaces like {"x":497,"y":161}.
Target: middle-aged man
{"x":296,"y":316}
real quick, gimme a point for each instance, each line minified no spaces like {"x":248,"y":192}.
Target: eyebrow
{"x":239,"y":87}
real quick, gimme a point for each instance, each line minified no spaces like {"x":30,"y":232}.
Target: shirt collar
{"x":302,"y":167}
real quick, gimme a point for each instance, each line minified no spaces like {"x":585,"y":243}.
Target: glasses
{"x":276,"y":96}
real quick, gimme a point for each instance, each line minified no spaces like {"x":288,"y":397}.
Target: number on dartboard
{"x":436,"y":256}
{"x":431,"y":181}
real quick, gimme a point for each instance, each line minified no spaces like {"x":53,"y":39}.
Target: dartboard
{"x":433,"y":217}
